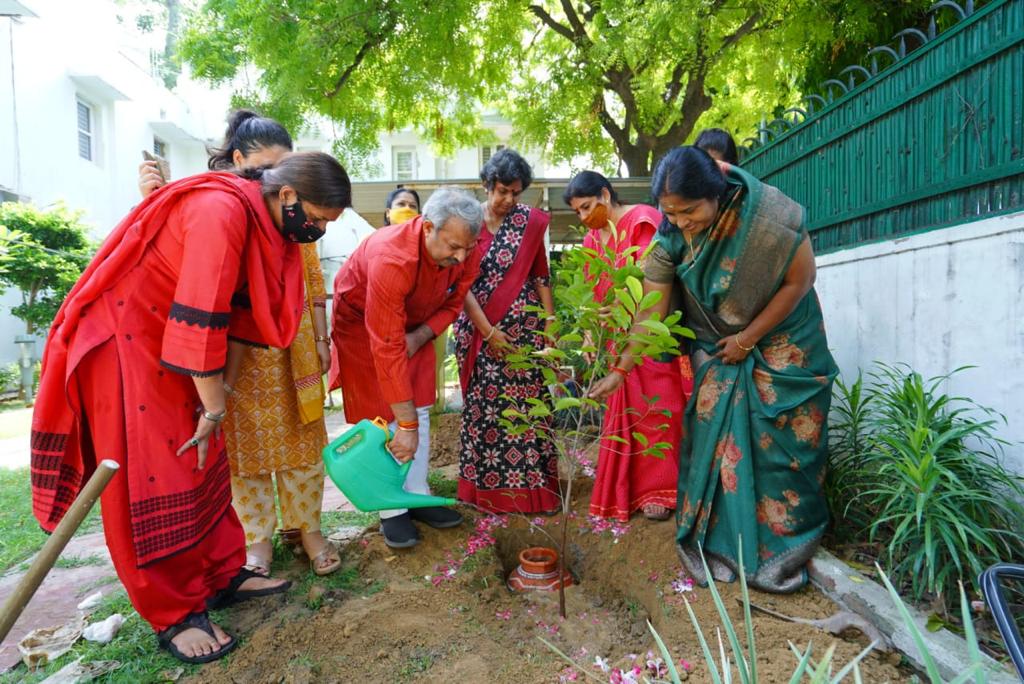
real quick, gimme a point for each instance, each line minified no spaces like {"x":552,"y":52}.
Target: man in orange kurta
{"x":403,"y":286}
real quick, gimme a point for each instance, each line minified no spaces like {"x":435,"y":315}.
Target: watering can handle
{"x":403,"y":468}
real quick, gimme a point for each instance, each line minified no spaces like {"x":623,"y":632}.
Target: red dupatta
{"x":273,"y":269}
{"x":511,"y":285}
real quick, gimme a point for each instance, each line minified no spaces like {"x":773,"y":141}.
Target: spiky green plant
{"x":918,"y":471}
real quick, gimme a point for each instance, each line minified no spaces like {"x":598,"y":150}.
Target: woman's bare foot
{"x":194,"y":642}
{"x":323,"y":557}
{"x":258,"y":557}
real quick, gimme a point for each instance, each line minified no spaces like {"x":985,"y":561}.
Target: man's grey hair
{"x":452,"y":200}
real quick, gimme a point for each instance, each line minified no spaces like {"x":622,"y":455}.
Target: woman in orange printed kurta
{"x":137,"y":352}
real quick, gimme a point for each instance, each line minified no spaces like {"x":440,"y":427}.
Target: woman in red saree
{"x":627,"y":481}
{"x":500,"y":471}
{"x":133,"y":371}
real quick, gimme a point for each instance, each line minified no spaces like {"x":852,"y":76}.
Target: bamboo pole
{"x":46,"y":557}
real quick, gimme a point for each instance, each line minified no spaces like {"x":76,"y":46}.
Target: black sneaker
{"x":399,"y":532}
{"x":436,"y":516}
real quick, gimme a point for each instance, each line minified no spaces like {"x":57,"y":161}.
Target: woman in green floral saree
{"x":755,"y":444}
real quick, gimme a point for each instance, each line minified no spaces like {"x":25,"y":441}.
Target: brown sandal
{"x":329,"y":552}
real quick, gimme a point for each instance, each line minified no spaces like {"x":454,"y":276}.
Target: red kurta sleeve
{"x":388,"y":283}
{"x":643,"y":233}
{"x":452,"y":307}
{"x":213,"y":226}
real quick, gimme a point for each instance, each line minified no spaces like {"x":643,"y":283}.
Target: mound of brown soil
{"x":444,"y":439}
{"x":470,"y":628}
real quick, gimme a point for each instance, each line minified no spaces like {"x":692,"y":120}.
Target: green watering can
{"x":368,"y":475}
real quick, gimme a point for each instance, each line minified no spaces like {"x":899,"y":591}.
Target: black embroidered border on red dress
{"x":193,"y":316}
{"x":180,"y":517}
{"x":190,"y":371}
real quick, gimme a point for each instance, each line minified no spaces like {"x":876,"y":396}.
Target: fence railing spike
{"x":827,"y":85}
{"x":948,"y":3}
{"x":885,"y":50}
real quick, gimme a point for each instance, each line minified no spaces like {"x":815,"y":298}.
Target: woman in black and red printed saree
{"x":499,"y":471}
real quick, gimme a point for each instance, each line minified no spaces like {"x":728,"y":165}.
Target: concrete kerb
{"x":867,"y":598}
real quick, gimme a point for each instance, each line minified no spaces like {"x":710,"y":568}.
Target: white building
{"x":78,"y":103}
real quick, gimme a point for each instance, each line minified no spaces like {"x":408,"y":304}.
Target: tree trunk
{"x":171,"y":69}
{"x":637,"y":160}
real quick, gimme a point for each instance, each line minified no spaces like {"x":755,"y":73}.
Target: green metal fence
{"x":933,"y":140}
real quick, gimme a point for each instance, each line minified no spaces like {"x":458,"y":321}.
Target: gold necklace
{"x":689,"y":243}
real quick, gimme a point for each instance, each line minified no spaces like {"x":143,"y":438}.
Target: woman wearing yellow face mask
{"x":402,"y":204}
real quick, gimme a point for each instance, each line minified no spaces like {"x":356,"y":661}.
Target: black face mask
{"x":296,"y":227}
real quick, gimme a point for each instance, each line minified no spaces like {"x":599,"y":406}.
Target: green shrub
{"x":918,"y":472}
{"x":9,"y":377}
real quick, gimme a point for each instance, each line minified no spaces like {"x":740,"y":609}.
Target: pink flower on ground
{"x":682,"y":585}
{"x":503,"y":615}
{"x":568,"y":674}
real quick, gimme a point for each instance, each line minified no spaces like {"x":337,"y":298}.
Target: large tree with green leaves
{"x":619,"y":81}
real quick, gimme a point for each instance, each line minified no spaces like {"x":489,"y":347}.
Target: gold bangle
{"x":490,"y":334}
{"x":321,"y":338}
{"x":740,"y":344}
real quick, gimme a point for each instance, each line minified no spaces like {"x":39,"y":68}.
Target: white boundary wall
{"x":936,"y":301}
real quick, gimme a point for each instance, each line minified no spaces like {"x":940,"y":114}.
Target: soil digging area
{"x":397,"y":620}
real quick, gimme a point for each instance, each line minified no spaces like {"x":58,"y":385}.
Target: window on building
{"x":159,"y":148}
{"x":487,"y":151}
{"x":404,"y":163}
{"x":85,"y":130}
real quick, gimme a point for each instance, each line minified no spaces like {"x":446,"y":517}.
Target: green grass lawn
{"x":20,"y":534}
{"x":134,"y":647}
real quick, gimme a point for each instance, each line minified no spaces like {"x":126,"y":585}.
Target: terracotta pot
{"x":537,"y":571}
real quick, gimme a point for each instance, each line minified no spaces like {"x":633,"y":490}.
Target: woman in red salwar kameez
{"x":132,"y":372}
{"x":627,"y":480}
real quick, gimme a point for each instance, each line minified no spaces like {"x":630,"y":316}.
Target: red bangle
{"x":411,"y":425}
{"x":621,"y":371}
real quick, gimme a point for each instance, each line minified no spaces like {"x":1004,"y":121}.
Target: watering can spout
{"x":359,"y":463}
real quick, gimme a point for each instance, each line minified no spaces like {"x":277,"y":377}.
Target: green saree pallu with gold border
{"x":755,"y":447}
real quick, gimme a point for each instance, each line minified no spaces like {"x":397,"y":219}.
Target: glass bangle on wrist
{"x":322,"y":338}
{"x":621,"y":371}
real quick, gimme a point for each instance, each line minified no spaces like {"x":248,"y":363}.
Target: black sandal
{"x":194,"y":621}
{"x":231,"y":594}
